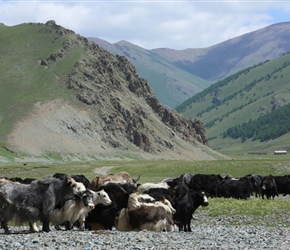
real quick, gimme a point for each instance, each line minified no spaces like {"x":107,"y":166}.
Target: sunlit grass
{"x":253,"y":211}
{"x":151,"y":170}
{"x":252,"y":206}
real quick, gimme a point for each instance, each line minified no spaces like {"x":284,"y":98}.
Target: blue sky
{"x":153,"y":23}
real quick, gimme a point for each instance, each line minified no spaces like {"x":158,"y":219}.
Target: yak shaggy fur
{"x":35,"y":201}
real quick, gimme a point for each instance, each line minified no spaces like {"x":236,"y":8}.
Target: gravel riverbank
{"x":217,"y":235}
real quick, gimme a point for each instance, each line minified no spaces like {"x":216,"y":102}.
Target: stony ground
{"x":208,"y":233}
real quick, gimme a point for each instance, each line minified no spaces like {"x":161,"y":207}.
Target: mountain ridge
{"x":195,"y":69}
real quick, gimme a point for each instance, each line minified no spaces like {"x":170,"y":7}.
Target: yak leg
{"x":57,"y":227}
{"x":45,"y":225}
{"x":82,"y":221}
{"x":33,"y":227}
{"x":188,"y":227}
{"x":68,"y":225}
{"x":4,"y":225}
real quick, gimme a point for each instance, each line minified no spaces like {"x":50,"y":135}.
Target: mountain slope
{"x":241,"y":98}
{"x":171,"y":85}
{"x":231,"y":56}
{"x":176,"y":75}
{"x":63,"y":97}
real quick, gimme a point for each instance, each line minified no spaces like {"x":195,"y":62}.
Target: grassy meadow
{"x":253,"y":211}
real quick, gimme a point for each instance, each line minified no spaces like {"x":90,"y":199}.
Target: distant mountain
{"x":65,"y":98}
{"x":171,"y":85}
{"x":247,"y":112}
{"x":176,"y":75}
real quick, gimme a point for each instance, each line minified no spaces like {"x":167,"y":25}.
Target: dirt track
{"x":103,"y":170}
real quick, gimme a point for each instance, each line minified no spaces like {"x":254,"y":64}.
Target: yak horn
{"x":135,"y":180}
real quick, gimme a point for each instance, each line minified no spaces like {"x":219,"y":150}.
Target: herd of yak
{"x":119,"y":201}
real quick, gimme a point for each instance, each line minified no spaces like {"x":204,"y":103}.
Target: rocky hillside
{"x":86,"y":103}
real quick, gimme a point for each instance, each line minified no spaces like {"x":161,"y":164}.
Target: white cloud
{"x":74,"y":17}
{"x":178,"y":25}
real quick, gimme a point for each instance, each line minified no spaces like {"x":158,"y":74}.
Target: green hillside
{"x":245,"y":96}
{"x":24,"y":77}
